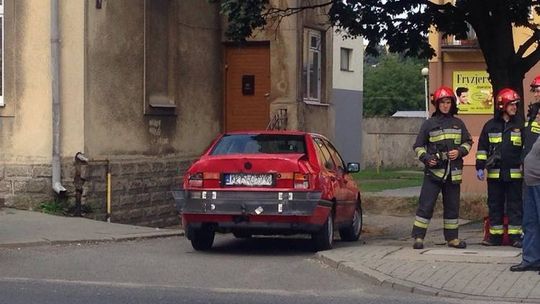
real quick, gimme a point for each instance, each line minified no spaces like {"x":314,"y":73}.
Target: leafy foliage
{"x":243,"y":16}
{"x":393,"y":84}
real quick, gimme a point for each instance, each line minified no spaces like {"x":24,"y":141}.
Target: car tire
{"x":324,"y":238}
{"x":203,"y":238}
{"x":352,"y":232}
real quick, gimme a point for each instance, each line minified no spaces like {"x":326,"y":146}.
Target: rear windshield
{"x":260,"y":143}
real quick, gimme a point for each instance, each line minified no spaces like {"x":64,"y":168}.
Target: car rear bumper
{"x":263,"y":211}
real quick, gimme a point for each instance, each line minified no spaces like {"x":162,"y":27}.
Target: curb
{"x":384,"y":280}
{"x":91,"y":241}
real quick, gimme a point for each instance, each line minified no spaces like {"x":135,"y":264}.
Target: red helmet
{"x":442,"y":92}
{"x":505,"y":97}
{"x":535,"y":83}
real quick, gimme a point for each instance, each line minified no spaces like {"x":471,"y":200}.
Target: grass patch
{"x":372,"y":181}
{"x":55,"y":207}
{"x":62,"y":207}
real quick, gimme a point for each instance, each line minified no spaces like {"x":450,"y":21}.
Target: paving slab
{"x":476,"y":273}
{"x":26,"y":228}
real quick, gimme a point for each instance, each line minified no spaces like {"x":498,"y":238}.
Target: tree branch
{"x":525,"y":46}
{"x":284,"y":12}
{"x":531,"y":60}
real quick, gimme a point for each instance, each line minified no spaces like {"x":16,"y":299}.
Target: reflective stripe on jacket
{"x":500,"y":146}
{"x":439,"y":135}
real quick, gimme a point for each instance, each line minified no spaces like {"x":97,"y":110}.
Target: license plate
{"x":248,"y":180}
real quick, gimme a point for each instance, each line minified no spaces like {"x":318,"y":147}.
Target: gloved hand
{"x":430,"y":160}
{"x":480,"y":174}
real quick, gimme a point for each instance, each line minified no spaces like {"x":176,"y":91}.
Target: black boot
{"x":418,"y":243}
{"x":515,"y":241}
{"x":493,"y":240}
{"x":457,"y":243}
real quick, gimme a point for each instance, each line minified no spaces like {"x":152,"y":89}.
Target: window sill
{"x":345,"y":70}
{"x":163,"y":105}
{"x":315,"y":103}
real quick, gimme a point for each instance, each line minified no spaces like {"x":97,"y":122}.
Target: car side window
{"x":327,"y":161}
{"x":335,"y":155}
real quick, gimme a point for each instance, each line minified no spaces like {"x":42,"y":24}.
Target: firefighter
{"x":532,"y":128}
{"x":441,"y":144}
{"x":499,"y":151}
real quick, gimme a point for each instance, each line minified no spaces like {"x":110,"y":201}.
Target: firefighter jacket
{"x":499,"y":149}
{"x":439,"y":135}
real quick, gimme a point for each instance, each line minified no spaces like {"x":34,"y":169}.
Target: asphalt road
{"x":170,"y":271}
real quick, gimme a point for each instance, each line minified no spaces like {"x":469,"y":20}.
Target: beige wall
{"x":25,"y":121}
{"x":105,"y":117}
{"x":114,"y":109}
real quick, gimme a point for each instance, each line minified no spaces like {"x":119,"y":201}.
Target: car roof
{"x":278,"y":132}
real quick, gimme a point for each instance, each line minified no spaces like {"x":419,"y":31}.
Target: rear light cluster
{"x":294,"y":180}
{"x":206,"y":179}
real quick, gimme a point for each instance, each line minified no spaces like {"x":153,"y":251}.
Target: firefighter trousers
{"x":531,"y":226}
{"x":426,"y":203}
{"x":505,"y":197}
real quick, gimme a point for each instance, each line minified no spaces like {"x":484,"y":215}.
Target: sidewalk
{"x":383,"y":255}
{"x":477,"y":272}
{"x":25,"y":228}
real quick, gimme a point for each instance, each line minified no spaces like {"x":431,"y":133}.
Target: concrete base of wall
{"x":140,"y":189}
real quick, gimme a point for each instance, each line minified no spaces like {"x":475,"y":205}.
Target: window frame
{"x":348,"y":55}
{"x":309,"y":52}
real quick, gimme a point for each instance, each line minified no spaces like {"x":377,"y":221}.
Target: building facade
{"x":140,"y":88}
{"x":457,"y":60}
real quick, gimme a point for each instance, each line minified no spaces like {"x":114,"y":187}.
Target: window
{"x":311,"y":70}
{"x":159,"y":57}
{"x":335,"y":155}
{"x":2,"y":53}
{"x":260,"y":143}
{"x":346,"y":57}
{"x":327,"y":160}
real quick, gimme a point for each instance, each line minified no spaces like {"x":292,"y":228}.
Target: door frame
{"x":226,"y":46}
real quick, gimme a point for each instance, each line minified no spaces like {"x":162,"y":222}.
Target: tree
{"x":404,"y":26}
{"x":393,"y":84}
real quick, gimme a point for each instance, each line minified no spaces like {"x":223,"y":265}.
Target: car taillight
{"x":196,"y":180}
{"x":301,"y":181}
{"x":206,"y":179}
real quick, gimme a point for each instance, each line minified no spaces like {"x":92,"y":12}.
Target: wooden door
{"x":247,"y":87}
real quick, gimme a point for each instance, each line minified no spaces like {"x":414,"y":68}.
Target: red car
{"x":270,"y":183}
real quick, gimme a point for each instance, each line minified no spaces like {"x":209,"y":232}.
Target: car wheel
{"x":352,"y":232}
{"x":202,"y":239}
{"x":324,"y":238}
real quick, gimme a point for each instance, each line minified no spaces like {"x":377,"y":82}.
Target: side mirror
{"x":353,"y":167}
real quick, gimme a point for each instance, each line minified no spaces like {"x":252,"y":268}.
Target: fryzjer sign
{"x":473,"y":91}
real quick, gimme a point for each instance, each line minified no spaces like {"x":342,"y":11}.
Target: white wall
{"x":348,"y":80}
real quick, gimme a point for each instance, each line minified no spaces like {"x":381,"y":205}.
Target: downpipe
{"x":55,"y":41}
